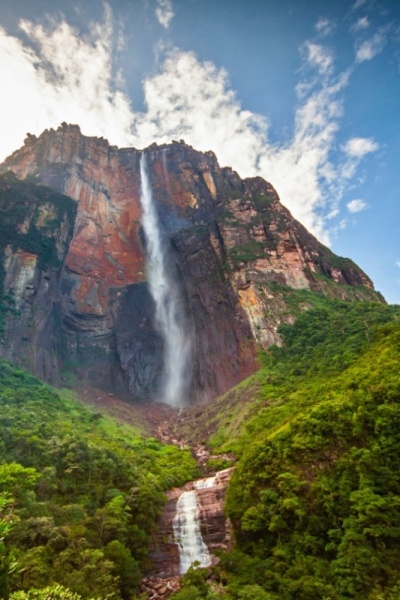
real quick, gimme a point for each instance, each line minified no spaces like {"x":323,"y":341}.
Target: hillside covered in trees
{"x":80,"y":494}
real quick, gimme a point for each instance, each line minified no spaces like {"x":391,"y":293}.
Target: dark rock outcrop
{"x":230,"y":241}
{"x":36,"y":226}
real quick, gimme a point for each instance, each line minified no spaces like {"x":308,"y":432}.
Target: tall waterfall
{"x":169,"y":313}
{"x":187,"y":532}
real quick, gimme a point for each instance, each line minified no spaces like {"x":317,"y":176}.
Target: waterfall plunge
{"x":169,"y":314}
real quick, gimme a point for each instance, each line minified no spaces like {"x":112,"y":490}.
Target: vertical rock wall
{"x":36,"y":226}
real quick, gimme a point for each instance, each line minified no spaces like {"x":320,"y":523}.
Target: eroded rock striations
{"x":230,"y":242}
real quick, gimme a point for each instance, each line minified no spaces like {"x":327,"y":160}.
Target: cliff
{"x":232,"y":245}
{"x":36,"y":227}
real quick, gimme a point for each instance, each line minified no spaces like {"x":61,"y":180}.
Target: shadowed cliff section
{"x":36,"y":227}
{"x":231,"y":243}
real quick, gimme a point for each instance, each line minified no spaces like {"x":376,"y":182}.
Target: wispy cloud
{"x":61,"y":76}
{"x":361,"y":24}
{"x":192,"y":100}
{"x":324,"y":26}
{"x":355,"y":150}
{"x":358,"y":147}
{"x":368,"y":49}
{"x":319,"y":56}
{"x":358,"y":4}
{"x":164,"y":12}
{"x":357,"y":205}
{"x":397,"y":263}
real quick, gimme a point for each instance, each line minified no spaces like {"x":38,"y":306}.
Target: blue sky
{"x":304,"y":93}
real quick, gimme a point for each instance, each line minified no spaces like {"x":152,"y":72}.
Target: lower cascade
{"x":192,"y":528}
{"x":205,"y":499}
{"x":187,"y":532}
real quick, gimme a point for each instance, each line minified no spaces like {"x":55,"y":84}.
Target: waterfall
{"x":187,"y":532}
{"x":208,"y":482}
{"x":168,"y":310}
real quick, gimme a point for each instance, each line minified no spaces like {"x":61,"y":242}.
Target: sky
{"x":305,"y":93}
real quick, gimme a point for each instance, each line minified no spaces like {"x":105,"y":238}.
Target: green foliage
{"x":329,"y":337}
{"x":30,"y":215}
{"x":53,"y":592}
{"x":88,"y":491}
{"x":218,"y":464}
{"x":194,"y":586}
{"x":315,"y":498}
{"x":263,"y":202}
{"x":254,"y":592}
{"x":7,"y":561}
{"x":247,"y":252}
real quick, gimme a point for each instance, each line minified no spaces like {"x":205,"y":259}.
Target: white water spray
{"x":187,"y":532}
{"x":169,"y":314}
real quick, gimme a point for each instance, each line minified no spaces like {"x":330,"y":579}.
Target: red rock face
{"x":229,"y":239}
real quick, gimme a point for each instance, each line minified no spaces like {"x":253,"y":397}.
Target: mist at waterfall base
{"x":169,"y":314}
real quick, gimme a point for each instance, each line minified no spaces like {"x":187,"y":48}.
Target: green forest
{"x":314,"y":499}
{"x":79,"y":494}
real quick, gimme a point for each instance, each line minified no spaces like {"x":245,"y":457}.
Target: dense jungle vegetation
{"x":315,"y":499}
{"x":79,"y":494}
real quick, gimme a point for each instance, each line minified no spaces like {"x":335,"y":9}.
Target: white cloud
{"x":358,"y":147}
{"x":192,"y":100}
{"x":301,"y":171}
{"x":61,"y":77}
{"x":318,"y":56}
{"x":357,"y":205}
{"x":355,"y":149}
{"x":164,"y":12}
{"x":361,"y":24}
{"x":398,"y":263}
{"x":358,"y":4}
{"x":324,"y":26}
{"x":370,"y":48}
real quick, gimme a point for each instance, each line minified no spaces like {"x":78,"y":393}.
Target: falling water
{"x":169,"y":314}
{"x":187,"y":532}
{"x":208,"y":482}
